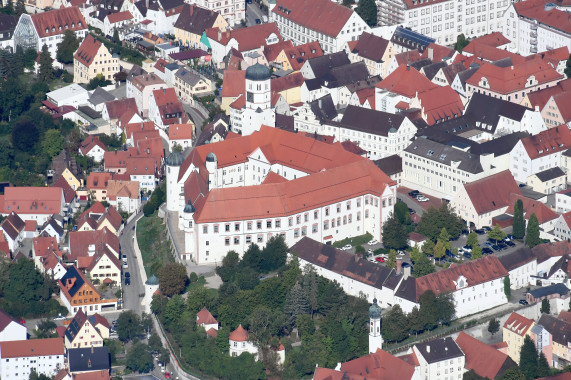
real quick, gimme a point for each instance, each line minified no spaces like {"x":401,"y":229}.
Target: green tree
{"x":513,"y":373}
{"x":471,"y":375}
{"x":394,"y":327}
{"x":155,"y":343}
{"x":9,"y":8}
{"x":428,"y":247}
{"x":367,"y":9}
{"x":415,"y":254}
{"x":444,"y":237}
{"x":519,"y":222}
{"x":139,"y":358}
{"x":98,"y":81}
{"x":401,"y":212}
{"x":296,"y":303}
{"x":392,"y":260}
{"x":25,"y":135}
{"x":532,"y":234}
{"x":35,"y":376}
{"x":476,"y":252}
{"x":128,"y":326}
{"x":46,"y":73}
{"x":394,"y":233}
{"x":274,"y":254}
{"x":545,"y":307}
{"x":433,"y":220}
{"x":263,"y":323}
{"x":177,"y":147}
{"x":439,"y":250}
{"x":528,"y":358}
{"x":20,"y":8}
{"x":422,"y":267}
{"x":493,"y":326}
{"x":52,"y":143}
{"x":543,"y":369}
{"x":507,"y":287}
{"x":461,"y":43}
{"x":415,"y":321}
{"x":67,"y":47}
{"x":496,"y":233}
{"x":116,"y":36}
{"x":310,"y":287}
{"x":472,"y":240}
{"x":172,"y":278}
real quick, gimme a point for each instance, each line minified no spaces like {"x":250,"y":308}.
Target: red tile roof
{"x":239,"y":103}
{"x":273,"y":177}
{"x":272,"y":51}
{"x":331,"y":374}
{"x":379,"y":365}
{"x":518,"y":324}
{"x":440,"y":104}
{"x":535,"y":10}
{"x":352,"y":147}
{"x":116,"y":159}
{"x":5,"y":320}
{"x":180,"y":132}
{"x":563,"y":102}
{"x":239,"y":335}
{"x":530,"y":206}
{"x":486,"y":361}
{"x":287,"y":82}
{"x":89,"y":143}
{"x":56,"y":22}
{"x":203,"y":317}
{"x":118,"y":108}
{"x":490,"y":53}
{"x":68,"y":192}
{"x":476,"y":272}
{"x":406,"y":81}
{"x":119,"y":16}
{"x":494,"y":39}
{"x":547,"y":142}
{"x":493,"y":192}
{"x":539,"y":98}
{"x":87,"y":51}
{"x":160,"y":65}
{"x":407,"y":57}
{"x":234,"y":83}
{"x":79,"y":242}
{"x":44,"y":246}
{"x":545,"y":251}
{"x":505,"y":80}
{"x":32,"y":348}
{"x":250,"y":38}
{"x":141,"y":166}
{"x":138,"y":127}
{"x":323,"y":16}
{"x":122,"y":188}
{"x":212,"y":333}
{"x":97,"y":180}
{"x":297,"y":55}
{"x":436,"y":53}
{"x":36,"y":200}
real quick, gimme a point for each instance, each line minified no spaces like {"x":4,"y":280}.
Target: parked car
{"x":59,"y":318}
{"x":258,"y":21}
{"x":373,"y":242}
{"x":449,"y":253}
{"x":380,"y":259}
{"x":488,"y":243}
{"x":124,"y":258}
{"x":502,"y":245}
{"x":480,"y":231}
{"x":496,"y":247}
{"x":523,"y":302}
{"x":400,"y":253}
{"x":467,"y":248}
{"x":347,"y":247}
{"x":486,"y":228}
{"x":487,"y":251}
{"x":369,"y":252}
{"x":467,"y":255}
{"x":411,"y":211}
{"x":125,"y":265}
{"x":510,"y":243}
{"x":421,"y":198}
{"x":414,"y":193}
{"x":510,"y":237}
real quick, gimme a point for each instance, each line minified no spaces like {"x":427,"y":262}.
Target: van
{"x":265,"y":18}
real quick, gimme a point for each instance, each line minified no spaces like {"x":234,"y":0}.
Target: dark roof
{"x":341,"y":262}
{"x":210,"y":130}
{"x":370,"y":121}
{"x":285,"y":122}
{"x":445,"y":154}
{"x":324,"y":108}
{"x":433,"y":68}
{"x":88,"y":359}
{"x":52,"y":222}
{"x":420,"y":63}
{"x":323,"y":64}
{"x":99,"y":96}
{"x":439,"y":349}
{"x":465,"y":75}
{"x":407,"y":289}
{"x":258,"y":72}
{"x":75,"y":325}
{"x":500,"y":146}
{"x":488,"y":109}
{"x":7,"y":25}
{"x":559,"y":329}
{"x":517,"y":258}
{"x":89,"y":112}
{"x":187,"y":54}
{"x":411,"y":40}
{"x":72,"y":273}
{"x":562,"y":263}
{"x":550,"y":174}
{"x":548,"y":290}
{"x":345,"y":75}
{"x":390,"y":165}
{"x":195,"y":19}
{"x":371,"y":47}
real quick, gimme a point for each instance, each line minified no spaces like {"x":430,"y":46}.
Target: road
{"x":253,"y":12}
{"x":197,"y":117}
{"x":132,"y":294}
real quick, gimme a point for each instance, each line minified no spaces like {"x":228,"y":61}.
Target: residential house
{"x":294,"y":57}
{"x":78,"y":292}
{"x":84,"y":331}
{"x":289,"y":87}
{"x":97,"y":185}
{"x":483,"y":359}
{"x":479,"y":202}
{"x":144,"y":171}
{"x":192,"y":21}
{"x":47,"y":256}
{"x":53,"y":227}
{"x":333,"y":28}
{"x":521,"y":265}
{"x":91,"y":59}
{"x":189,"y":84}
{"x":548,"y":254}
{"x":98,"y":98}
{"x":539,"y":152}
{"x":93,"y":147}
{"x":92,"y":360}
{"x":558,"y":274}
{"x":44,"y":356}
{"x":391,"y":166}
{"x":553,"y":102}
{"x":545,"y":215}
{"x":312,"y":116}
{"x":69,"y":196}
{"x":514,"y":330}
{"x":207,"y":321}
{"x":551,"y":336}
{"x":181,"y":135}
{"x":70,"y":95}
{"x":357,"y":276}
{"x":233,"y":11}
{"x":119,"y":113}
{"x":13,"y":229}
{"x":124,"y":195}
{"x":143,"y":86}
{"x":436,"y":105}
{"x":438,"y":358}
{"x":375,"y":51}
{"x":165,"y":108}
{"x":162,"y":15}
{"x":48,"y":28}
{"x":10,"y":329}
{"x":98,"y":217}
{"x":557,"y":290}
{"x":239,"y":343}
{"x":548,"y":181}
{"x":116,"y":20}
{"x":32,"y":203}
{"x":234,"y":85}
{"x":563,"y":201}
{"x":7,"y":26}
{"x":65,"y":165}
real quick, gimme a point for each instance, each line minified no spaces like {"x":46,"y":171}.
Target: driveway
{"x":132,"y":294}
{"x":417,"y":206}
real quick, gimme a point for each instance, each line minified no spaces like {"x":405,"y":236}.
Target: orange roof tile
{"x":379,"y":365}
{"x":406,"y":81}
{"x":547,"y":142}
{"x":97,"y":180}
{"x":248,"y":38}
{"x":180,"y":132}
{"x":119,"y":16}
{"x":204,"y":317}
{"x":138,"y":127}
{"x":272,"y":51}
{"x":491,"y":53}
{"x":323,"y":16}
{"x":436,"y":53}
{"x":32,"y":347}
{"x":486,"y":361}
{"x":539,"y":98}
{"x":120,"y":188}
{"x":518,"y":323}
{"x":494,"y":39}
{"x":239,"y":335}
{"x":530,"y":206}
{"x":234,"y":83}
{"x":37,"y":200}
{"x":492,"y":192}
{"x":535,"y":10}
{"x":89,"y":143}
{"x":440,"y":104}
{"x":298,"y":55}
{"x":273,"y":177}
{"x":56,"y":22}
{"x":287,"y":82}
{"x":212,"y":332}
{"x":87,"y":50}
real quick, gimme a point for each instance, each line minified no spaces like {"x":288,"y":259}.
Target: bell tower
{"x":375,"y":337}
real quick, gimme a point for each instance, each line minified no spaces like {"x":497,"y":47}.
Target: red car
{"x":22,"y":321}
{"x":167,"y":375}
{"x":380,"y":259}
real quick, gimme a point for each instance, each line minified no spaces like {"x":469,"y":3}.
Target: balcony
{"x":533,"y":34}
{"x":533,"y":42}
{"x":533,"y":49}
{"x":533,"y":26}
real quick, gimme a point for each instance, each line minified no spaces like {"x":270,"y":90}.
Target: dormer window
{"x":47,"y":30}
{"x":73,"y":24}
{"x":66,"y":26}
{"x":79,"y":24}
{"x":59,"y":28}
{"x":53,"y":28}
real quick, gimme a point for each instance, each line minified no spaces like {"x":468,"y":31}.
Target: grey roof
{"x":323,"y":64}
{"x":324,"y":108}
{"x":361,"y":84}
{"x":549,"y":174}
{"x":341,"y":262}
{"x":99,"y":96}
{"x":285,"y":122}
{"x":559,"y":329}
{"x":172,"y":66}
{"x":371,"y":47}
{"x":341,"y":76}
{"x":500,"y":146}
{"x":452,"y":70}
{"x":89,"y":359}
{"x":153,"y":280}
{"x":433,"y":68}
{"x":174,"y":159}
{"x":489,"y":110}
{"x":146,"y":45}
{"x":55,"y":225}
{"x":210,"y":130}
{"x":548,"y":290}
{"x":7,"y":26}
{"x":420,"y":63}
{"x":445,"y":154}
{"x":188,"y":76}
{"x":197,"y":21}
{"x":390,"y":165}
{"x":466,"y":74}
{"x":370,"y":121}
{"x":258,"y":72}
{"x":439,"y":349}
{"x":517,"y":258}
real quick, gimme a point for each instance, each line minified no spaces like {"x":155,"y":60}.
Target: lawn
{"x":153,"y":243}
{"x":354,"y":241}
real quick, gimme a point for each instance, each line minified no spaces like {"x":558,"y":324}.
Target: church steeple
{"x":375,"y":337}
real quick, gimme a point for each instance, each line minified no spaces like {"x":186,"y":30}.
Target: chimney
{"x":399,"y":265}
{"x":430,"y":53}
{"x":91,"y":250}
{"x":147,"y":4}
{"x":91,"y":349}
{"x":428,"y":349}
{"x":408,"y":66}
{"x":406,"y":273}
{"x":219,"y":34}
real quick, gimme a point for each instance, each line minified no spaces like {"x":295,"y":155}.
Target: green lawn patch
{"x":354,"y":241}
{"x":153,"y":243}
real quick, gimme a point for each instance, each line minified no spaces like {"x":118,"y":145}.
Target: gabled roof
{"x":79,"y":242}
{"x":68,"y":192}
{"x":75,"y":325}
{"x":93,"y":359}
{"x":494,"y":39}
{"x":87,"y":51}
{"x":97,"y":180}
{"x":120,"y":188}
{"x":287,"y":82}
{"x":118,"y":108}
{"x":536,"y":10}
{"x":91,"y":142}
{"x":517,"y":258}
{"x":249,"y":38}
{"x":371,"y":121}
{"x":545,"y":291}
{"x":493,"y":192}
{"x":545,"y":251}
{"x":180,"y":132}
{"x":298,"y":55}
{"x":239,"y":335}
{"x":406,"y":81}
{"x":119,"y":16}
{"x":440,"y":104}
{"x":485,"y":360}
{"x":32,"y":348}
{"x":32,"y":200}
{"x":390,"y":165}
{"x":204,"y":317}
{"x":445,"y":154}
{"x":378,"y":365}
{"x":550,"y":141}
{"x":559,"y":329}
{"x":234,"y":83}
{"x":323,"y":16}
{"x":272,"y":51}
{"x":450,"y":71}
{"x":550,"y":174}
{"x":539,"y":98}
{"x":322,"y":65}
{"x":518,"y":324}
{"x":57,"y":21}
{"x":439,"y":349}
{"x":437,"y":53}
{"x":370,"y":47}
{"x":563,"y":105}
{"x":5,"y":320}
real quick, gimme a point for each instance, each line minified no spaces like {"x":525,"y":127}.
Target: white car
{"x":370,"y":251}
{"x":59,"y":318}
{"x":373,"y":242}
{"x":125,"y":265}
{"x":421,"y":198}
{"x":384,"y":256}
{"x":347,"y":247}
{"x":400,"y":253}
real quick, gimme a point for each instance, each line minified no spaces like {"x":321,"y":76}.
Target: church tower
{"x":173,"y":163}
{"x":258,"y":108}
{"x":375,"y":337}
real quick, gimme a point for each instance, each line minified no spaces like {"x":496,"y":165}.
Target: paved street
{"x":253,"y":12}
{"x":132,"y":294}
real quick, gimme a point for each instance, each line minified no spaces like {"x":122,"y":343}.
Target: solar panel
{"x":414,"y":36}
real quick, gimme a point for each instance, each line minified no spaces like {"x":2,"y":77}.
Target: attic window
{"x":66,"y":26}
{"x":443,"y":156}
{"x":53,"y":28}
{"x":561,"y":145}
{"x":73,"y":24}
{"x":541,"y":151}
{"x":47,"y":30}
{"x":79,"y":23}
{"x":430,"y":153}
{"x":59,"y":28}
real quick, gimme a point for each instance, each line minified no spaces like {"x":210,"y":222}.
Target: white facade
{"x":13,"y":331}
{"x":301,"y":34}
{"x":520,"y":276}
{"x":239,"y":347}
{"x":71,"y":95}
{"x":444,"y":369}
{"x":562,"y":202}
{"x":18,"y":368}
{"x":147,"y":182}
{"x":561,"y":229}
{"x":522,"y":166}
{"x":464,"y":207}
{"x":258,"y":110}
{"x":233,"y":11}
